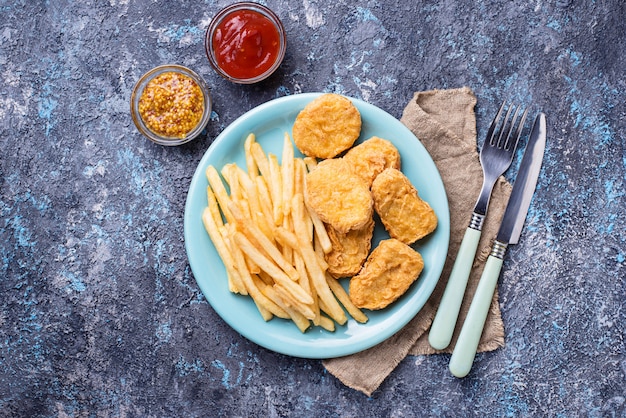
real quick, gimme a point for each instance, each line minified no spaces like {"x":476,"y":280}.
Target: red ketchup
{"x":246,"y":44}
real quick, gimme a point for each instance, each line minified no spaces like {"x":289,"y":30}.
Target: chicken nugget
{"x":349,"y":251}
{"x":338,"y":196}
{"x":327,"y":126}
{"x":403,"y":213}
{"x":371,"y":157}
{"x":387,"y":274}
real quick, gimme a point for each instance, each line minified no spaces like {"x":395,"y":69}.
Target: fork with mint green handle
{"x":495,"y":158}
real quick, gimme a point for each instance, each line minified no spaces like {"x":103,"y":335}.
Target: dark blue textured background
{"x":99,"y":312}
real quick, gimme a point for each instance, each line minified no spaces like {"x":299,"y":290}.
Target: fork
{"x":496,"y":156}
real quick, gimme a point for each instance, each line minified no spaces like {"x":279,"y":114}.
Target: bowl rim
{"x":221,"y":15}
{"x":141,"y":84}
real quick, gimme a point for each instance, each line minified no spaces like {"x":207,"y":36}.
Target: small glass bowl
{"x":138,"y":91}
{"x":245,"y":6}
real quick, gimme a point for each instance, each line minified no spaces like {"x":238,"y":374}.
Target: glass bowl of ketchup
{"x":245,"y":42}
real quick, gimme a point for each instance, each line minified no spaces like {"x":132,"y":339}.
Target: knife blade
{"x":508,"y":234}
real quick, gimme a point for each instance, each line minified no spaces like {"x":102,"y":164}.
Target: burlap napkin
{"x":445,"y":123}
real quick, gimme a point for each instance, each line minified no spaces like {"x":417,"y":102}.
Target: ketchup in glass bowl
{"x":245,"y":42}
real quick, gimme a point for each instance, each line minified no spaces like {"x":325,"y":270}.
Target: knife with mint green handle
{"x":509,"y":234}
{"x":495,"y":158}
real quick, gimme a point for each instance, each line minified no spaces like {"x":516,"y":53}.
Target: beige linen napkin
{"x":445,"y":123}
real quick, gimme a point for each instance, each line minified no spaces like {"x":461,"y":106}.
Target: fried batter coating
{"x":387,"y":274}
{"x":349,"y":251}
{"x":327,"y":126}
{"x":338,"y":196}
{"x":371,"y":157}
{"x":403,"y":213}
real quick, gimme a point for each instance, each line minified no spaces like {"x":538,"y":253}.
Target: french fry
{"x":326,"y":323}
{"x":276,"y":189}
{"x":260,"y":159}
{"x":344,"y":299}
{"x":287,"y":172}
{"x":251,"y":166}
{"x":320,"y":231}
{"x":310,"y":162}
{"x":292,"y":302}
{"x":216,"y":184}
{"x":311,"y":261}
{"x":253,"y":291}
{"x":253,"y":232}
{"x":265,"y":201}
{"x":235,"y":283}
{"x":262,"y":286}
{"x":301,"y":322}
{"x":256,"y":211}
{"x":273,"y":270}
{"x":266,"y":314}
{"x":299,"y":176}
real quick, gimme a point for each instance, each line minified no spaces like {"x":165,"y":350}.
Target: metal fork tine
{"x":520,"y":127}
{"x":507,"y":143}
{"x":494,"y":123}
{"x":503,"y":130}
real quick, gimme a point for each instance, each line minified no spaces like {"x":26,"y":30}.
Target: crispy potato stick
{"x":311,"y":261}
{"x":253,"y":232}
{"x":301,"y":322}
{"x":299,"y":176}
{"x":266,"y":278}
{"x":265,"y":313}
{"x":235,"y":283}
{"x":260,"y":159}
{"x":220,"y":191}
{"x":300,"y":186}
{"x":287,"y":172}
{"x":214,"y":207}
{"x":262,"y":286}
{"x":310,"y":162}
{"x":268,"y":266}
{"x":324,"y":308}
{"x":216,"y":224}
{"x":320,"y":253}
{"x":256,"y":212}
{"x":288,"y":238}
{"x":276,"y":188}
{"x":287,"y":250}
{"x":344,"y":298}
{"x":230,"y":176}
{"x":320,"y":231}
{"x":251,"y":166}
{"x":274,"y":297}
{"x":265,"y":200}
{"x":291,"y":302}
{"x":253,"y":291}
{"x":327,"y":323}
{"x":307,"y":284}
{"x":228,"y":231}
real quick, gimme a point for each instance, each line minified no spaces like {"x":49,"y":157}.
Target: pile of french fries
{"x":271,"y":243}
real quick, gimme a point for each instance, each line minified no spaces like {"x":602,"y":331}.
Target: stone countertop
{"x":100,"y":314}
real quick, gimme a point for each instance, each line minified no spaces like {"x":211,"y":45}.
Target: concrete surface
{"x":100,"y":314}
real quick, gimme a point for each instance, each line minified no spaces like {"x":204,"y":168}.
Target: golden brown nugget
{"x":387,"y":274}
{"x":338,"y":196}
{"x":403,"y":213}
{"x":371,"y":157}
{"x":349,"y":251}
{"x":327,"y":126}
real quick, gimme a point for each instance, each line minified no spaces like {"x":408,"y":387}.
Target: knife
{"x":508,"y":234}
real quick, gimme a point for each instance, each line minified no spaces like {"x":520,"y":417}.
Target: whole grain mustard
{"x":171,"y":105}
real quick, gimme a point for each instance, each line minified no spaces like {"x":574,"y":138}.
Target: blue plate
{"x":269,"y":122}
